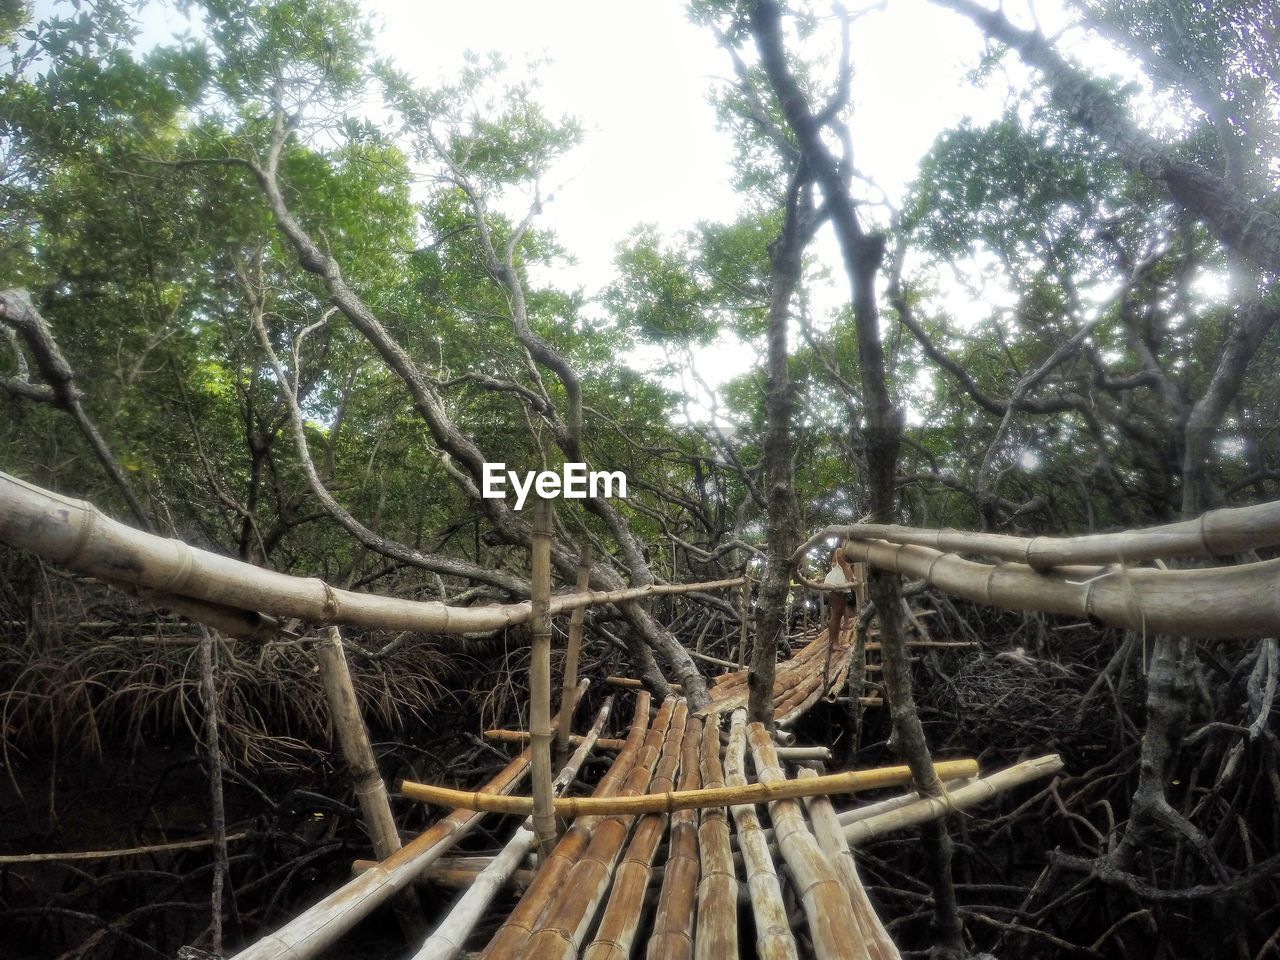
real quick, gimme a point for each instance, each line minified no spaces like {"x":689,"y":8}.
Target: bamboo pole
{"x":540,"y":732}
{"x":631,"y":683}
{"x":620,"y":922}
{"x":717,"y":935}
{"x":357,"y":751}
{"x":573,"y":648}
{"x":446,"y":941}
{"x":850,"y":781}
{"x":744,"y":616}
{"x":827,"y":829}
{"x":1218,"y":533}
{"x":568,"y":906}
{"x":77,"y":536}
{"x":644,"y":739}
{"x":672,"y":935}
{"x":461,"y":877}
{"x":774,"y":940}
{"x":562,"y":930}
{"x":323,"y":923}
{"x":835,"y":933}
{"x":608,"y":744}
{"x":1231,"y":602}
{"x":960,"y":798}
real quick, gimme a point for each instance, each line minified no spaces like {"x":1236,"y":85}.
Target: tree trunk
{"x":783,"y":525}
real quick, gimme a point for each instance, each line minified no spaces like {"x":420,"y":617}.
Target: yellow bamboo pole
{"x":744,"y":615}
{"x":573,"y":648}
{"x":540,"y":733}
{"x":851,"y":781}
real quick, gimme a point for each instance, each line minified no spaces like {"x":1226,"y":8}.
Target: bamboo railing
{"x":1092,"y":576}
{"x":1230,"y":602}
{"x":76,"y":535}
{"x":1217,"y":533}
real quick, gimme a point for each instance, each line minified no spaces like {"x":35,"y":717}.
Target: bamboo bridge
{"x":672,"y":842}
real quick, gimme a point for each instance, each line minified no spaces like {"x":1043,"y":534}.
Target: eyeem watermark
{"x":574,"y":482}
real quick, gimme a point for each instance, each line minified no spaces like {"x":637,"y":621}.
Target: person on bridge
{"x":840,"y":575}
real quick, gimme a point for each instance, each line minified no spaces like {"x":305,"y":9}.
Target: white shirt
{"x":836,"y":578}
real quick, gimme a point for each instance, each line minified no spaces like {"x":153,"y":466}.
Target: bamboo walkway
{"x":819,"y":668}
{"x":752,"y":871}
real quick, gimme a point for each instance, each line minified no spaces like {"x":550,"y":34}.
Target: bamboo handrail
{"x":1216,"y":533}
{"x":850,"y":781}
{"x":1232,"y":602}
{"x":76,"y":535}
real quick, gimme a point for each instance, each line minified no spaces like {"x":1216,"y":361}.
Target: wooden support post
{"x":860,"y":585}
{"x":357,"y":751}
{"x":353,"y":738}
{"x":744,"y":610}
{"x":540,"y":733}
{"x":572,"y":651}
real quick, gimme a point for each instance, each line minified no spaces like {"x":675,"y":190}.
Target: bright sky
{"x":639,"y":74}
